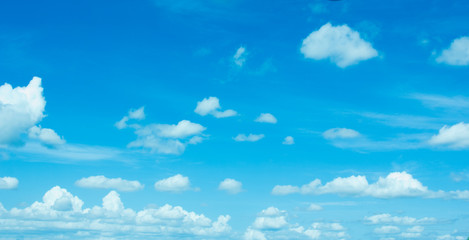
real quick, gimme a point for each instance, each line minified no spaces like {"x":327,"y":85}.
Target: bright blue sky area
{"x":382,"y":113}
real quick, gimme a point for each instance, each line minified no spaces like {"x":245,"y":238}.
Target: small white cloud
{"x":240,"y":56}
{"x":270,"y":219}
{"x":45,"y":135}
{"x":386,"y":218}
{"x":339,"y":133}
{"x":231,"y":186}
{"x":340,"y":44}
{"x":456,"y":136}
{"x":314,"y":207}
{"x":8,"y":183}
{"x":457,"y":54}
{"x":416,"y":229}
{"x":266,"y":118}
{"x":285,"y":190}
{"x":211,"y":106}
{"x":288,"y":140}
{"x":137,"y":114}
{"x":387,"y":230}
{"x":109,"y":183}
{"x":249,"y":138}
{"x":176,"y":183}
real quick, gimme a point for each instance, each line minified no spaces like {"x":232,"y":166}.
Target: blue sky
{"x":214,"y":119}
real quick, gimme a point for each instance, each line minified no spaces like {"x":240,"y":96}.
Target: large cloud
{"x":395,"y":184}
{"x":456,"y":136}
{"x":211,"y":106}
{"x":109,"y":183}
{"x":8,"y":183}
{"x":60,"y":212}
{"x":457,"y":54}
{"x":340,"y":44}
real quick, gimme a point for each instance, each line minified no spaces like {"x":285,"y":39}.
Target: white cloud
{"x":252,"y":234}
{"x":395,"y":184}
{"x":457,"y":54}
{"x":8,"y":183}
{"x":456,"y":136}
{"x":231,"y":186}
{"x":176,"y":183}
{"x":386,"y":218}
{"x":60,"y":211}
{"x":450,"y":237}
{"x":137,"y":114}
{"x":45,"y":135}
{"x":266,"y":118}
{"x":109,"y":183}
{"x":270,"y":219}
{"x":438,"y":101}
{"x":387,"y":230}
{"x":314,"y":207}
{"x":168,"y":138}
{"x":339,"y":133}
{"x":415,"y":229}
{"x":211,"y":106}
{"x":340,"y":44}
{"x":249,"y":138}
{"x":239,"y":58}
{"x":288,"y":140}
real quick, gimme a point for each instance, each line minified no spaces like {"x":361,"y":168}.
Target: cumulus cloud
{"x":249,"y":138}
{"x":270,"y":219}
{"x":176,"y":183}
{"x":239,"y":58}
{"x":231,"y":186}
{"x":266,"y":118}
{"x":211,"y":106}
{"x":340,"y":133}
{"x":340,"y":44}
{"x":109,"y":183}
{"x":8,"y":183}
{"x":289,"y":140}
{"x":45,"y":135}
{"x":61,"y":212}
{"x":457,"y":54}
{"x":137,"y":114}
{"x":456,"y":136}
{"x":395,"y":184}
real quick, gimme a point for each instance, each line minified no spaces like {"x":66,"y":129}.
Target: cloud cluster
{"x":395,"y":184}
{"x":211,"y":106}
{"x":457,"y":54}
{"x":109,"y":183}
{"x":340,"y":44}
{"x":60,"y":212}
{"x":8,"y":183}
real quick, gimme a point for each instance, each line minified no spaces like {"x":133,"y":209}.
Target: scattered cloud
{"x":239,"y":58}
{"x":457,"y":54}
{"x":137,"y":114}
{"x":288,"y":140}
{"x":8,"y":183}
{"x":335,"y":133}
{"x":176,"y":183}
{"x":340,"y":44}
{"x":395,"y":184}
{"x":60,"y":211}
{"x":45,"y":135}
{"x":405,"y":121}
{"x":450,"y":237}
{"x":211,"y":106}
{"x":249,"y":138}
{"x":456,"y":136}
{"x":231,"y":186}
{"x":109,"y":183}
{"x":266,"y":118}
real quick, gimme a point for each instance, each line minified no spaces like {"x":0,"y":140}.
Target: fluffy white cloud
{"x":231,"y":186}
{"x":137,"y":114}
{"x":176,"y":183}
{"x":288,"y":140}
{"x":339,"y":133}
{"x":389,"y":219}
{"x":109,"y":183}
{"x":456,"y":136}
{"x":183,"y":129}
{"x":266,"y":118}
{"x":239,"y":58}
{"x":249,"y":138}
{"x":20,"y":109}
{"x":45,"y":135}
{"x":211,"y":106}
{"x":395,"y":184}
{"x":60,"y":211}
{"x":8,"y":183}
{"x":387,"y":230}
{"x":457,"y":54}
{"x":270,"y":219}
{"x":340,"y":44}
